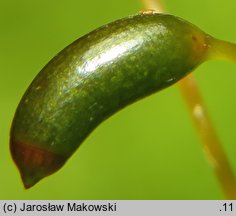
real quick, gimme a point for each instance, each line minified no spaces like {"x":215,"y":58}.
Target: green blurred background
{"x":149,"y":150}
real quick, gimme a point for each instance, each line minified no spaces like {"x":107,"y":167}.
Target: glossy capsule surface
{"x":94,"y":77}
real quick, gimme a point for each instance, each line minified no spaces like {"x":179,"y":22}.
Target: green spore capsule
{"x":94,"y":77}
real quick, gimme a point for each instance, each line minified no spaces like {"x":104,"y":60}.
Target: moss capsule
{"x":94,"y":77}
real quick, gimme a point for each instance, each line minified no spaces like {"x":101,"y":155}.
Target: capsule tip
{"x":34,"y":163}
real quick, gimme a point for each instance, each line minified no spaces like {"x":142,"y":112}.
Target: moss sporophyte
{"x":97,"y":75}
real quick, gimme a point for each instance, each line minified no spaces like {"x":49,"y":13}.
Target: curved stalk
{"x":223,"y":50}
{"x":198,"y":111}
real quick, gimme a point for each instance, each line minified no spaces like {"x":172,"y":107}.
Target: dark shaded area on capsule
{"x":34,"y":163}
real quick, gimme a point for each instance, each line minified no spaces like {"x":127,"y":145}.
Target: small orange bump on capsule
{"x":200,"y":45}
